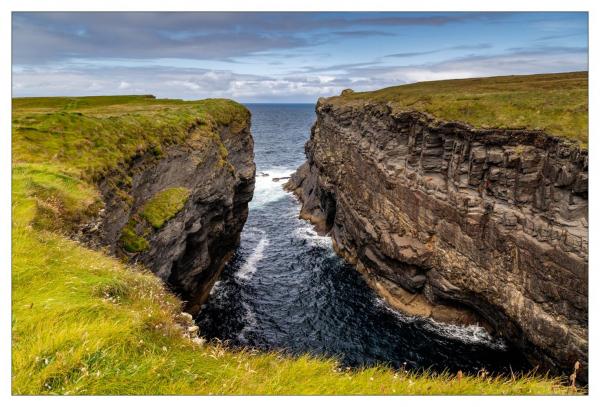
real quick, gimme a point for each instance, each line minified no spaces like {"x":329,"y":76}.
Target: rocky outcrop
{"x":457,"y":223}
{"x":190,"y":249}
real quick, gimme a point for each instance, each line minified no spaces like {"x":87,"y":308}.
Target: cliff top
{"x":85,"y":323}
{"x":94,"y":134}
{"x":62,"y":146}
{"x":555,"y":103}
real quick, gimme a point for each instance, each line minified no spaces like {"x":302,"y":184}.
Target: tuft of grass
{"x":130,"y":240}
{"x":84,"y":322}
{"x":555,"y":103}
{"x":164,"y":206}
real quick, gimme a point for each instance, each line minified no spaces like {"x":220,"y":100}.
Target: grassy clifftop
{"x":92,"y":135}
{"x":86,"y":323}
{"x":555,"y":103}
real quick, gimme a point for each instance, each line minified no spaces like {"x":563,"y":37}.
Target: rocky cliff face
{"x":459,"y":224}
{"x":190,"y":249}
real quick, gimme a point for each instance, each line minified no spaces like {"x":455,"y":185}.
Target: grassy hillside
{"x":85,"y":323}
{"x":556,"y":103}
{"x":92,"y":135}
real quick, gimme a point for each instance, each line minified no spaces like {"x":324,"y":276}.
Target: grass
{"x":94,"y":135}
{"x":130,"y":240}
{"x":165,"y":205}
{"x":555,"y":103}
{"x":156,"y":212}
{"x":84,"y":322}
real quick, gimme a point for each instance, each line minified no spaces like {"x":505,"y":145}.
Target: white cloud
{"x":325,"y":79}
{"x":185,"y":84}
{"x":190,"y":83}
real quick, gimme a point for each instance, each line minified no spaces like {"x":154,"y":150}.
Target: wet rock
{"x":457,"y":223}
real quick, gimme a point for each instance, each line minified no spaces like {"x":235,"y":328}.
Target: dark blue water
{"x":286,"y":289}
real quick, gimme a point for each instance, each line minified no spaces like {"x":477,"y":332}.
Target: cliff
{"x":172,"y":179}
{"x":84,"y":322}
{"x":459,"y":223}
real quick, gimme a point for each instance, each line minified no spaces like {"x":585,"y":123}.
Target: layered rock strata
{"x":457,"y":223}
{"x":191,"y":248}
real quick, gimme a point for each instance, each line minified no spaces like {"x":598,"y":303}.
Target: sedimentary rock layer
{"x":190,"y":249}
{"x":457,"y":223}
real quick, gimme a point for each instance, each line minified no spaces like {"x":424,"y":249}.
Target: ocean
{"x":285,"y":289}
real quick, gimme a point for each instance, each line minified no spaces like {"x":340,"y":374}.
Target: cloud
{"x":548,"y":50}
{"x":194,"y":83}
{"x":277,"y":56}
{"x":363,"y":33}
{"x":43,"y":37}
{"x":514,"y":62}
{"x":561,"y":36}
{"x":435,"y":51}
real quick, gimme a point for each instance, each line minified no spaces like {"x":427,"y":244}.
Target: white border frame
{"x":8,"y":6}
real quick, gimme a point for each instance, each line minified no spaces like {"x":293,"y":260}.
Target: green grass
{"x":555,"y":103}
{"x":130,"y":240}
{"x":165,"y":205}
{"x":156,"y":212}
{"x":93,"y":135}
{"x":84,"y":322}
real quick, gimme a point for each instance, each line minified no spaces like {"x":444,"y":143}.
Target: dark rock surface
{"x":456,"y":223}
{"x":190,"y":250}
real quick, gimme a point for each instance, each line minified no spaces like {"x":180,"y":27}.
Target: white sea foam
{"x":402,"y":317}
{"x":247,"y":270}
{"x":268,"y":186}
{"x":307,"y":232}
{"x":471,"y":334}
{"x":250,"y":322}
{"x":216,"y":288}
{"x":474,"y":334}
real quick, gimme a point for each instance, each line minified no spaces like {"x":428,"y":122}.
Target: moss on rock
{"x":164,"y":206}
{"x":131,"y":241}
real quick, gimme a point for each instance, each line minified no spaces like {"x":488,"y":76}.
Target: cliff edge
{"x":168,"y":181}
{"x":459,"y":223}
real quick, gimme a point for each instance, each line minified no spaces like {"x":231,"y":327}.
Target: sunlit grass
{"x":84,"y":323}
{"x":555,"y":103}
{"x":94,"y":135}
{"x":164,"y":205}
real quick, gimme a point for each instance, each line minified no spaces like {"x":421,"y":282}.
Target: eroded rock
{"x":189,"y":251}
{"x":487,"y":221}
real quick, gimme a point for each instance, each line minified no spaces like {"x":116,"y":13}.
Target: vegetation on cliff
{"x":94,"y":135}
{"x":555,"y":103}
{"x":86,"y":323}
{"x":158,"y":210}
{"x":164,"y":205}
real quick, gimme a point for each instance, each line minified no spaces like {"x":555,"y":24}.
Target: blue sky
{"x":282,"y":57}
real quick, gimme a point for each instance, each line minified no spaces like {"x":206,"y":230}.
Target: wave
{"x":469,"y":334}
{"x":250,"y":323}
{"x":247,"y":270}
{"x":268,"y":186}
{"x":307,"y":233}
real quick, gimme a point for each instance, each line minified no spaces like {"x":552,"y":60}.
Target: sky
{"x":281,"y":57}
